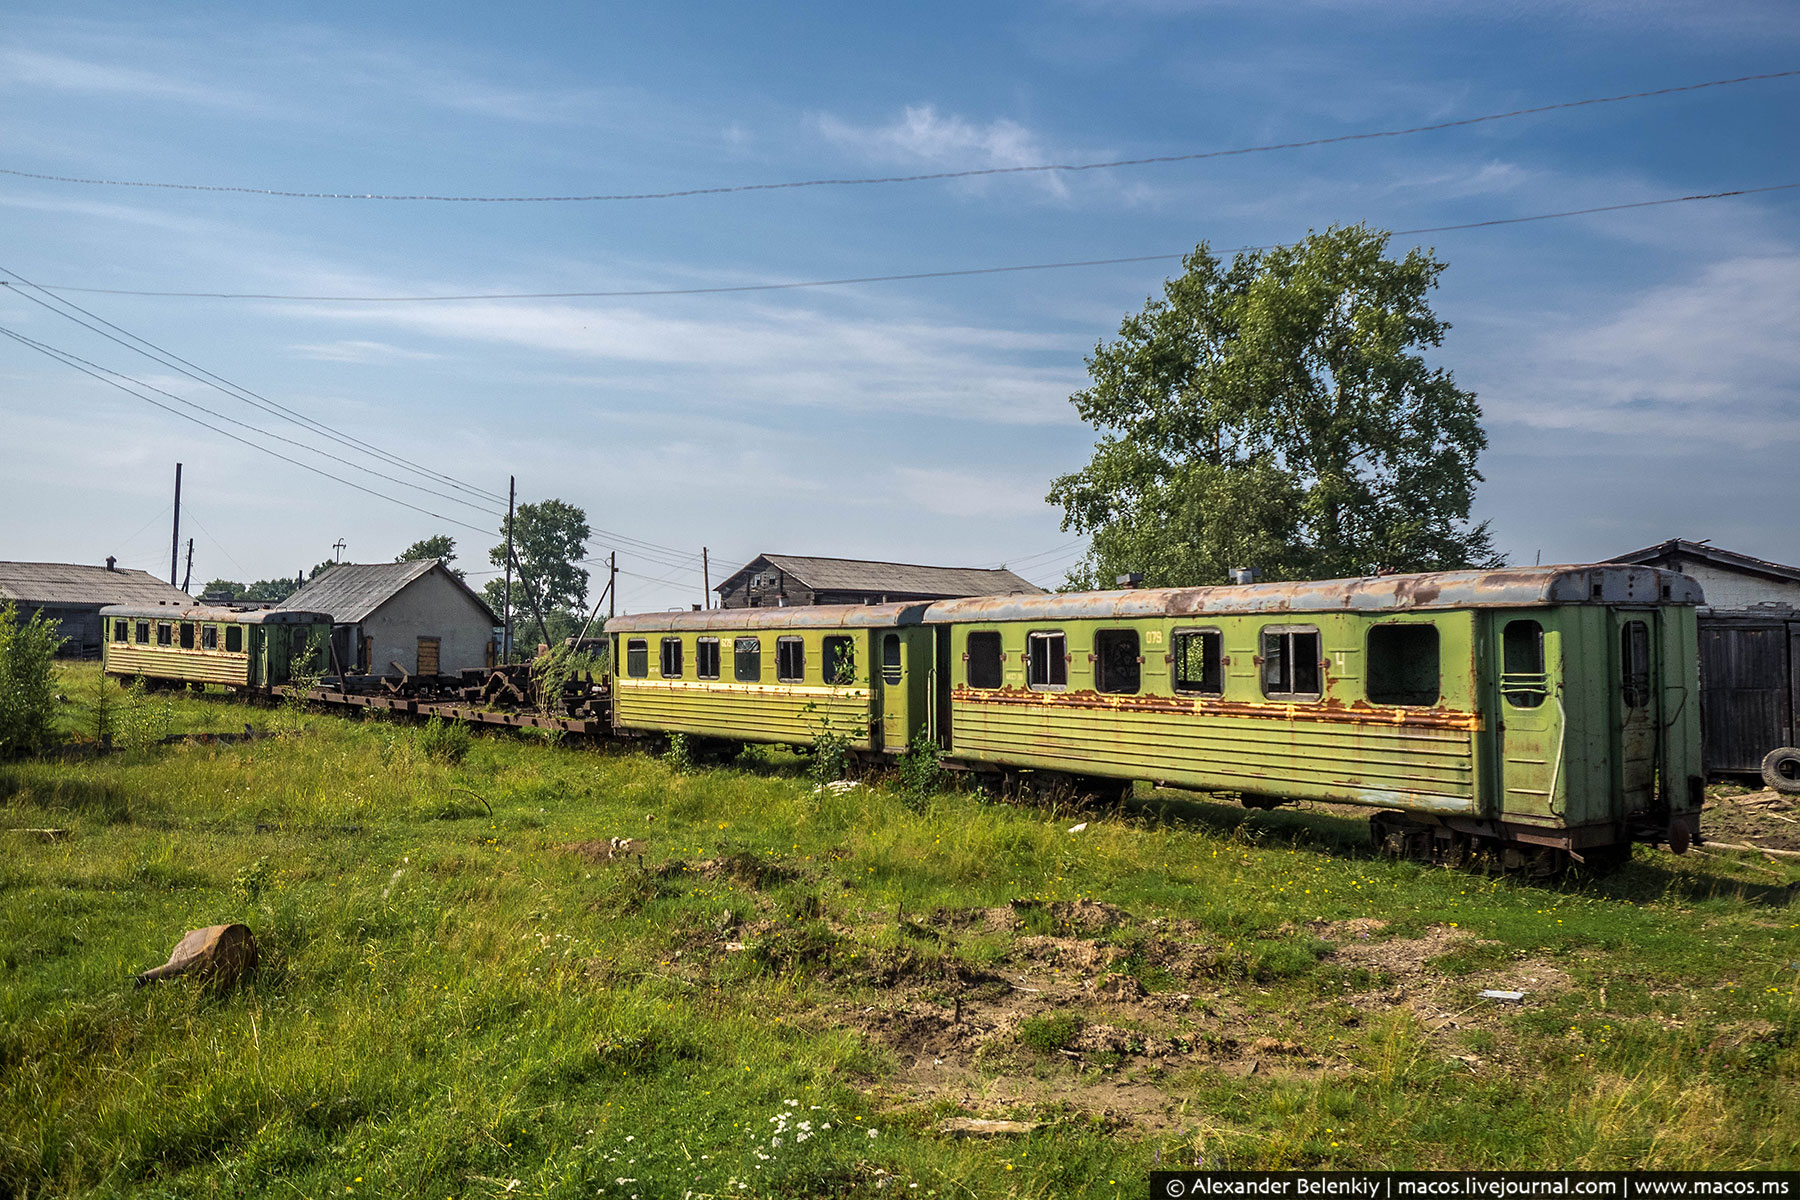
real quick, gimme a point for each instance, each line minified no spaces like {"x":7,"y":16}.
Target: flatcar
{"x":1538,"y":715}
{"x":246,"y":648}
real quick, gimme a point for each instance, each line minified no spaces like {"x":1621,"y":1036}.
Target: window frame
{"x":234,"y":634}
{"x":701,"y":646}
{"x":1369,"y":655}
{"x":165,"y":633}
{"x":1103,"y":684}
{"x":893,"y":673}
{"x":663,"y":649}
{"x":740,"y":647}
{"x":789,"y":647}
{"x":1636,"y":663}
{"x":999,"y":659}
{"x":1057,"y":663}
{"x":637,"y":658}
{"x":836,"y":652}
{"x":209,"y":637}
{"x":120,"y":628}
{"x":1524,"y":689}
{"x":1286,"y":634}
{"x":141,"y":634}
{"x":1177,"y":681}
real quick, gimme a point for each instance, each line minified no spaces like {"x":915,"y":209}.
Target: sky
{"x":1639,"y":370}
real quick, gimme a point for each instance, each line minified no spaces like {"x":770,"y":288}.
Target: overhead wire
{"x":970,"y":173}
{"x":907,"y":277}
{"x":169,"y":358}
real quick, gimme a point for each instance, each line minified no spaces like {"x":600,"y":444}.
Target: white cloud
{"x":361,"y":352}
{"x":922,"y":137}
{"x":40,"y":70}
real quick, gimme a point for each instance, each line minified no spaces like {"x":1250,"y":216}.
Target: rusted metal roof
{"x":351,"y":592}
{"x":246,"y":614}
{"x":802,"y":616}
{"x":1507,"y":587}
{"x":35,"y":584}
{"x":885,"y":578}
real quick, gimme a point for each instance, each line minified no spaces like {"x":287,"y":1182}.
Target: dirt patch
{"x":1079,"y":918}
{"x":1400,"y":958}
{"x":1077,"y":955}
{"x":1764,"y":818}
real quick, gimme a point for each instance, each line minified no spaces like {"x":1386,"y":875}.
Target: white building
{"x":418,"y":615}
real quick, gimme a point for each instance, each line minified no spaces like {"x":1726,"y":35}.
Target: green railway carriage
{"x":778,"y":675}
{"x":249,"y":648}
{"x":1553,"y":708}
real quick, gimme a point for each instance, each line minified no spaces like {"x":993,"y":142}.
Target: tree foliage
{"x":441,"y":547}
{"x":27,"y":681}
{"x":1278,"y":413}
{"x":549,"y":542}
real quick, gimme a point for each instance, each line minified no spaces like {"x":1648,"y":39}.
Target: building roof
{"x":39,"y":584}
{"x":886,"y":578}
{"x":1505,"y":588}
{"x":351,"y":592}
{"x":1674,"y":550}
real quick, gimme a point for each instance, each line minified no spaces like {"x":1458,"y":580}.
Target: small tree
{"x":1279,"y":413}
{"x":441,"y":547}
{"x":27,"y":681}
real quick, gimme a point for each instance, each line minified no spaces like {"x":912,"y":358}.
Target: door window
{"x":1634,"y":664}
{"x":890,"y":658}
{"x":1523,"y":680}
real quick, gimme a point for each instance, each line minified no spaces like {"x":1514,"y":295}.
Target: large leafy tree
{"x":1279,"y":413}
{"x":442,"y":547}
{"x":549,"y":542}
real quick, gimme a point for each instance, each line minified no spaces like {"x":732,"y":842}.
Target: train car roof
{"x":800,"y":616}
{"x":236,"y":615}
{"x":1507,"y":587}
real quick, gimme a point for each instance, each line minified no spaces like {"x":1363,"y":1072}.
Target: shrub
{"x":922,"y":767}
{"x":448,"y":741}
{"x":27,"y":695}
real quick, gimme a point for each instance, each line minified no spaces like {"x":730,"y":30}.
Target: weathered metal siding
{"x":1340,"y":747}
{"x":172,"y":662}
{"x":767,"y":710}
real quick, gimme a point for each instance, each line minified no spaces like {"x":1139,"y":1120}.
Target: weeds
{"x":27,"y":681}
{"x":445,"y":741}
{"x":680,"y":756}
{"x":922,"y":768}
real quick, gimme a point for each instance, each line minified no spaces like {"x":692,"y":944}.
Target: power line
{"x":71,"y":361}
{"x":243,"y":394}
{"x":1040,"y":168}
{"x":898,"y":278}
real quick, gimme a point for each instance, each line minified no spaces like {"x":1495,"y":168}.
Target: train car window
{"x":790,"y":659}
{"x":747,"y":660}
{"x":209,"y":637}
{"x":1117,"y":667}
{"x":637,"y":658}
{"x":1522,"y":678}
{"x":671,"y":658}
{"x":1047,"y":660}
{"x":839,"y":666}
{"x":1291,"y":664}
{"x":983,"y":652}
{"x":143,"y":633}
{"x":1403,"y":665}
{"x":706,"y":658}
{"x":234,"y":639}
{"x":119,"y":630}
{"x":1634,"y":663}
{"x":890,"y":658}
{"x":187,"y":635}
{"x":165,"y":634}
{"x":1200,"y":662}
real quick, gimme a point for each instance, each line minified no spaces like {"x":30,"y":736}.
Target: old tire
{"x":1781,"y":770}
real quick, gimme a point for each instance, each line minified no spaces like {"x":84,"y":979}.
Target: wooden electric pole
{"x":175,"y":534}
{"x":705,"y":579}
{"x":612,"y":584}
{"x":506,"y":604}
{"x":187,"y":576}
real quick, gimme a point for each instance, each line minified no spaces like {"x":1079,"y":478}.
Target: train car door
{"x":902,"y":674}
{"x":1529,"y":726}
{"x":1637,"y":692}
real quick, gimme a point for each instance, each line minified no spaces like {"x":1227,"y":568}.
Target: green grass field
{"x":542,"y":970}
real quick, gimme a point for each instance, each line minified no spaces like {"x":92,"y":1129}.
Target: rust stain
{"x":1332,"y":712}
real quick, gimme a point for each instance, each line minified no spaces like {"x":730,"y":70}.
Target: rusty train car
{"x":1538,"y":716}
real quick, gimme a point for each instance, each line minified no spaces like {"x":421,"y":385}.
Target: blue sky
{"x":1640,"y":370}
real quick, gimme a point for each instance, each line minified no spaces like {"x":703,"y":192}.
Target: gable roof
{"x":351,"y":592}
{"x":866,"y":575}
{"x":1671,"y":552}
{"x":32,"y":583}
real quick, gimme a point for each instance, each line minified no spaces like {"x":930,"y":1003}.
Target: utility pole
{"x":339,"y":547}
{"x":506,"y":604}
{"x":187,"y":576}
{"x":705,"y":579}
{"x":175,"y":534}
{"x":612,"y":584}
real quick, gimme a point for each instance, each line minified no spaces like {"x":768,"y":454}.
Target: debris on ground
{"x":222,"y":956}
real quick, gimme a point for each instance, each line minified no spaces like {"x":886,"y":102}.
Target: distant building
{"x":1749,"y":650}
{"x":72,"y":595}
{"x":416,"y":614}
{"x":786,"y":580}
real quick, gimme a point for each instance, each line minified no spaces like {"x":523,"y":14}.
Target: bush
{"x":27,"y":676}
{"x":448,"y":741}
{"x":922,"y":767}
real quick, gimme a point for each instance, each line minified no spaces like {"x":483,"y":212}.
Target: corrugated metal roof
{"x":1508,"y":587}
{"x":351,"y":592}
{"x":863,"y":575}
{"x":34,"y":584}
{"x":800,"y":616}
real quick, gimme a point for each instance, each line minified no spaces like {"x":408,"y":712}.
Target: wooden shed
{"x":786,"y":580}
{"x":72,"y":595}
